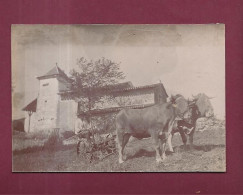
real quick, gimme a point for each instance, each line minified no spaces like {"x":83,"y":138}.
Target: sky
{"x":187,"y":59}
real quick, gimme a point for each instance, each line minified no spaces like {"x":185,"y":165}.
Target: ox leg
{"x":120,"y":137}
{"x":156,"y":142}
{"x":183,"y":137}
{"x":158,"y":157}
{"x":163,"y":147}
{"x":170,"y":135}
{"x":126,"y":138}
{"x":122,"y":140}
{"x":191,"y":138}
{"x":170,"y":142}
{"x":120,"y":153}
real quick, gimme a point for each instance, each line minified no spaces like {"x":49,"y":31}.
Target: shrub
{"x":104,"y":124}
{"x":67,"y":134}
{"x":54,"y":141}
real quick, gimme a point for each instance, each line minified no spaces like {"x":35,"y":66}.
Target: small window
{"x":45,"y":84}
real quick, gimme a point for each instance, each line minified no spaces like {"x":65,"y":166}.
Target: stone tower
{"x":51,"y":112}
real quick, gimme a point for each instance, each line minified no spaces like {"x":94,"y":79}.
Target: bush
{"x":67,"y":134}
{"x":105,"y":124}
{"x":54,"y":141}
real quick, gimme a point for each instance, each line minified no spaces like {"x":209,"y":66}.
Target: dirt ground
{"x":208,"y":155}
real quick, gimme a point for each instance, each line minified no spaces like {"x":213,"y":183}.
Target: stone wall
{"x":211,"y":123}
{"x":120,"y":101}
{"x":139,"y":99}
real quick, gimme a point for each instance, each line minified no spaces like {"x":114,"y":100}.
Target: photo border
{"x":127,"y":12}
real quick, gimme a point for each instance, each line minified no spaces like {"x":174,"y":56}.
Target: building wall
{"x":130,"y":98}
{"x":160,"y":95}
{"x":137,"y":99}
{"x":67,"y":111}
{"x":53,"y":112}
{"x":18,"y":124}
{"x":47,"y":105}
{"x":120,"y":101}
{"x":63,"y":84}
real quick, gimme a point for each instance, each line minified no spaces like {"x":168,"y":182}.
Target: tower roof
{"x":54,"y":72}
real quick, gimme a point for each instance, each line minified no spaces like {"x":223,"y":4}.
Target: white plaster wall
{"x":67,"y":109}
{"x":67,"y":115}
{"x":47,"y":102}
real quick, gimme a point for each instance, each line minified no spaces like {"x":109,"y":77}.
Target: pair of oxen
{"x":161,"y":121}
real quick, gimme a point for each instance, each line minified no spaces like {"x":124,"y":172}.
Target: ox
{"x":156,"y":121}
{"x":200,"y":106}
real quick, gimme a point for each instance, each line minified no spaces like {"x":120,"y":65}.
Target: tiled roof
{"x":124,"y":85}
{"x":114,"y":109}
{"x":31,"y":106}
{"x":56,"y":71}
{"x":140,"y":87}
{"x":121,"y":89}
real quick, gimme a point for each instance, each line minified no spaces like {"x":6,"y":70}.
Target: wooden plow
{"x":97,"y":148}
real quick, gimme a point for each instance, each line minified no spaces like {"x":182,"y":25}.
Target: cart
{"x":96,"y":149}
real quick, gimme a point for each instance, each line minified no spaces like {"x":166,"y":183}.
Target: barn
{"x":57,"y":107}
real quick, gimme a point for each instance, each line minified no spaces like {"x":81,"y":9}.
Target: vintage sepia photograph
{"x":118,"y":98}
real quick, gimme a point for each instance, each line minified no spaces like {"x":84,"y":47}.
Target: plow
{"x":96,"y":149}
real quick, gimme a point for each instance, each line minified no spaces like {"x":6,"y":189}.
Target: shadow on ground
{"x":141,"y":153}
{"x":177,"y":149}
{"x":208,"y":147}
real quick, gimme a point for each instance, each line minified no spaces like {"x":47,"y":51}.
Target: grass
{"x":22,"y":141}
{"x":207,"y":156}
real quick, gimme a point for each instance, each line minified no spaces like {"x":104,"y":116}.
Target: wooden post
{"x":30,"y":113}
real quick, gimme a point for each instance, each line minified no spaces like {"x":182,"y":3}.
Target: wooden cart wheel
{"x":78,"y":149}
{"x":81,"y":148}
{"x":85,"y":150}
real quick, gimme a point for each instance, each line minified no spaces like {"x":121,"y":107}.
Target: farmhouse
{"x":56,"y":106}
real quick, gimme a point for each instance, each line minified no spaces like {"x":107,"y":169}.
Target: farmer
{"x":83,"y":127}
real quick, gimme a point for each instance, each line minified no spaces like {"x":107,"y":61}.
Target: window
{"x":45,"y":84}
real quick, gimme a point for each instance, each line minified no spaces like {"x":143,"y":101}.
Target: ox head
{"x":182,"y":108}
{"x":203,"y":105}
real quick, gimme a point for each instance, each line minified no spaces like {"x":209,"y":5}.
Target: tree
{"x":91,"y":77}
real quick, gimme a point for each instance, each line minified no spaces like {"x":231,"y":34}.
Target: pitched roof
{"x":56,"y":71}
{"x":127,"y":87}
{"x":141,"y":87}
{"x":113,"y":109}
{"x":124,"y":85}
{"x":31,"y":106}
